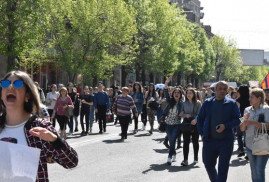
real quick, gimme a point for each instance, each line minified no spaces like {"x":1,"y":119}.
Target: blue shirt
{"x":216,"y":119}
{"x":101,"y":98}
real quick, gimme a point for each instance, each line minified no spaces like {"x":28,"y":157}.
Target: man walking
{"x":101,"y":105}
{"x":215,"y":122}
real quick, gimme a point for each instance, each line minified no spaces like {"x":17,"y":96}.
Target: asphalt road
{"x":140,"y":158}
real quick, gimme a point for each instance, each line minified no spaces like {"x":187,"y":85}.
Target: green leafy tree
{"x":91,"y":37}
{"x":19,"y":28}
{"x":159,"y":35}
{"x":228,"y":63}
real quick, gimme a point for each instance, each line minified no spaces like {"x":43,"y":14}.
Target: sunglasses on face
{"x":16,"y":84}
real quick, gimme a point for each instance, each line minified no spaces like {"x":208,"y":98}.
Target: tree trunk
{"x":151,"y":78}
{"x":11,"y":8}
{"x":218,"y":73}
{"x":138,"y":73}
{"x":178,"y":79}
{"x":123,"y":76}
{"x":95,"y":81}
{"x":196,"y":82}
{"x":143,"y":77}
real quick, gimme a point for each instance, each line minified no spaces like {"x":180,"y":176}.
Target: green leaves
{"x":91,"y":37}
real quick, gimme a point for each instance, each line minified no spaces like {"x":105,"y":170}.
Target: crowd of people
{"x":216,"y":115}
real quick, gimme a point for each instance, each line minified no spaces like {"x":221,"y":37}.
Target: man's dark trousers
{"x":212,"y":150}
{"x":102,"y":117}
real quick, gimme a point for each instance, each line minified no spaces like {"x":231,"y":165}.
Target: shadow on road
{"x":113,"y":141}
{"x":161,"y":151}
{"x":142,"y":135}
{"x":239,"y":162}
{"x":160,"y":140}
{"x":163,"y":167}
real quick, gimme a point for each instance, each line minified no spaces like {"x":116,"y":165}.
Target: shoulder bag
{"x":260,"y":145}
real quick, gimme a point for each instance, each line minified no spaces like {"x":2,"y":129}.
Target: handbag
{"x":47,"y":103}
{"x":162,"y":127}
{"x":260,"y":145}
{"x":153,"y":105}
{"x":69,"y":111}
{"x":186,"y":126}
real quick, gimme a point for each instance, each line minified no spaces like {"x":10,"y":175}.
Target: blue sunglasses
{"x":16,"y":84}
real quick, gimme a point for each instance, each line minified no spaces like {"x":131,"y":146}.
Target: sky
{"x":244,"y":21}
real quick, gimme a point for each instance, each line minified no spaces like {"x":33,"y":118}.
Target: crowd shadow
{"x":113,"y":141}
{"x":172,"y":168}
{"x":78,"y":135}
{"x":143,"y":135}
{"x":239,"y":162}
{"x":159,"y":140}
{"x":161,"y":151}
{"x":130,"y":134}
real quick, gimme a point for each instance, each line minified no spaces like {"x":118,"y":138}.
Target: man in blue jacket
{"x":215,"y":122}
{"x":101,"y":105}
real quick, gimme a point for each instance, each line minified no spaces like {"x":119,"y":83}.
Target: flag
{"x":265,"y":82}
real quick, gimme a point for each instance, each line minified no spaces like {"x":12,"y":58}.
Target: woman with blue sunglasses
{"x":19,"y":121}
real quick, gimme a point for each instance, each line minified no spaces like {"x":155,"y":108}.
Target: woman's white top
{"x":49,"y":99}
{"x":16,"y":132}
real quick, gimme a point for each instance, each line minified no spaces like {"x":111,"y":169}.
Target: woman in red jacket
{"x":20,"y":100}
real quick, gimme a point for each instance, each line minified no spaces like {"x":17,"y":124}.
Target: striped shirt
{"x":124,"y":105}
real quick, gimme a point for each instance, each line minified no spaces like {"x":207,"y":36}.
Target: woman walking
{"x":123,"y":107}
{"x":162,"y":102}
{"x":151,"y":96}
{"x":172,"y":120}
{"x":190,"y":108}
{"x":144,"y":114}
{"x":86,"y":100}
{"x":62,"y":103}
{"x":243,"y":103}
{"x":138,"y":99}
{"x":20,"y":100}
{"x":255,"y":115}
{"x":51,"y":101}
{"x":76,"y":109}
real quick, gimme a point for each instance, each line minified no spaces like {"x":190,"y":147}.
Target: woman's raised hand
{"x":43,"y":133}
{"x":169,"y":79}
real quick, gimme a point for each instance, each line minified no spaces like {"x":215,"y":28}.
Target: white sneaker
{"x":174,"y":158}
{"x":143,"y":127}
{"x":169,"y":161}
{"x":90,"y":130}
{"x":69,"y":133}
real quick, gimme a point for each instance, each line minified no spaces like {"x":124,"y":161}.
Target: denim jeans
{"x":240,"y":135}
{"x":70,"y":124}
{"x":172,"y":134}
{"x":91,"y":115}
{"x":257,"y":166}
{"x":159,"y":114}
{"x":76,"y":121}
{"x":217,"y":149}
